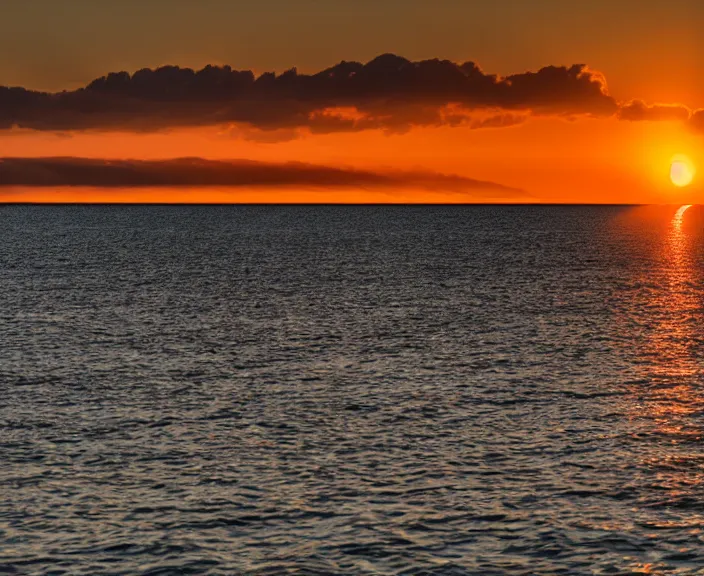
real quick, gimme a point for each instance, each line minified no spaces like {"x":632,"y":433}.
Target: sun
{"x":681,"y":171}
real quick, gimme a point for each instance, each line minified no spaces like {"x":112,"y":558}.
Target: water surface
{"x":351,"y":390}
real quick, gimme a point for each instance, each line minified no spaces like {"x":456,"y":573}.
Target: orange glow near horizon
{"x":586,"y":160}
{"x":217,"y":195}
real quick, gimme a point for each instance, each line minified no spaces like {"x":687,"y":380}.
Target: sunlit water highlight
{"x":336,"y":390}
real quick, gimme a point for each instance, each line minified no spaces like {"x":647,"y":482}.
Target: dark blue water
{"x":351,"y":390}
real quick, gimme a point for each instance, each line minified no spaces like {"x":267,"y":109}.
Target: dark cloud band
{"x":388,"y":92}
{"x":197,"y":172}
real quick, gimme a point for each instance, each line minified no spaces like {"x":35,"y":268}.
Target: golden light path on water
{"x":673,"y":336}
{"x":679,"y":216}
{"x":673,"y":398}
{"x":674,"y":394}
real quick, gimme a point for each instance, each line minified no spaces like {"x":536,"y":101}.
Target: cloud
{"x":497,"y":121}
{"x":389,"y":93}
{"x":197,"y":172}
{"x":637,"y":110}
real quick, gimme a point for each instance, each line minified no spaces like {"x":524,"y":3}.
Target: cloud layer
{"x":388,"y":92}
{"x":637,"y":110}
{"x":197,"y":172}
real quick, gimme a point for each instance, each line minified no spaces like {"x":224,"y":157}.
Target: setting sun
{"x":681,"y":171}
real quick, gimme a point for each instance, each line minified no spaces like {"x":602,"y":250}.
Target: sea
{"x":351,"y":390}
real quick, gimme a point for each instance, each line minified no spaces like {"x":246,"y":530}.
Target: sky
{"x":605,"y":131}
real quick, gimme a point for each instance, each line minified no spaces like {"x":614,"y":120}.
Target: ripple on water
{"x":330,"y":390}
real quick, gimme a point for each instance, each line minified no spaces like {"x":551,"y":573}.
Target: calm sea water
{"x":351,"y":390}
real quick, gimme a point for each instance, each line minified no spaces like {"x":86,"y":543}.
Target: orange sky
{"x":651,"y":49}
{"x":553,"y":160}
{"x":648,"y":49}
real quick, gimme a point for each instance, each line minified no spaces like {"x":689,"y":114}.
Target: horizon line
{"x":329,"y":204}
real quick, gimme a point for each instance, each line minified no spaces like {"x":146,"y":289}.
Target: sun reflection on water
{"x":673,"y":393}
{"x":668,"y":413}
{"x":676,"y":307}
